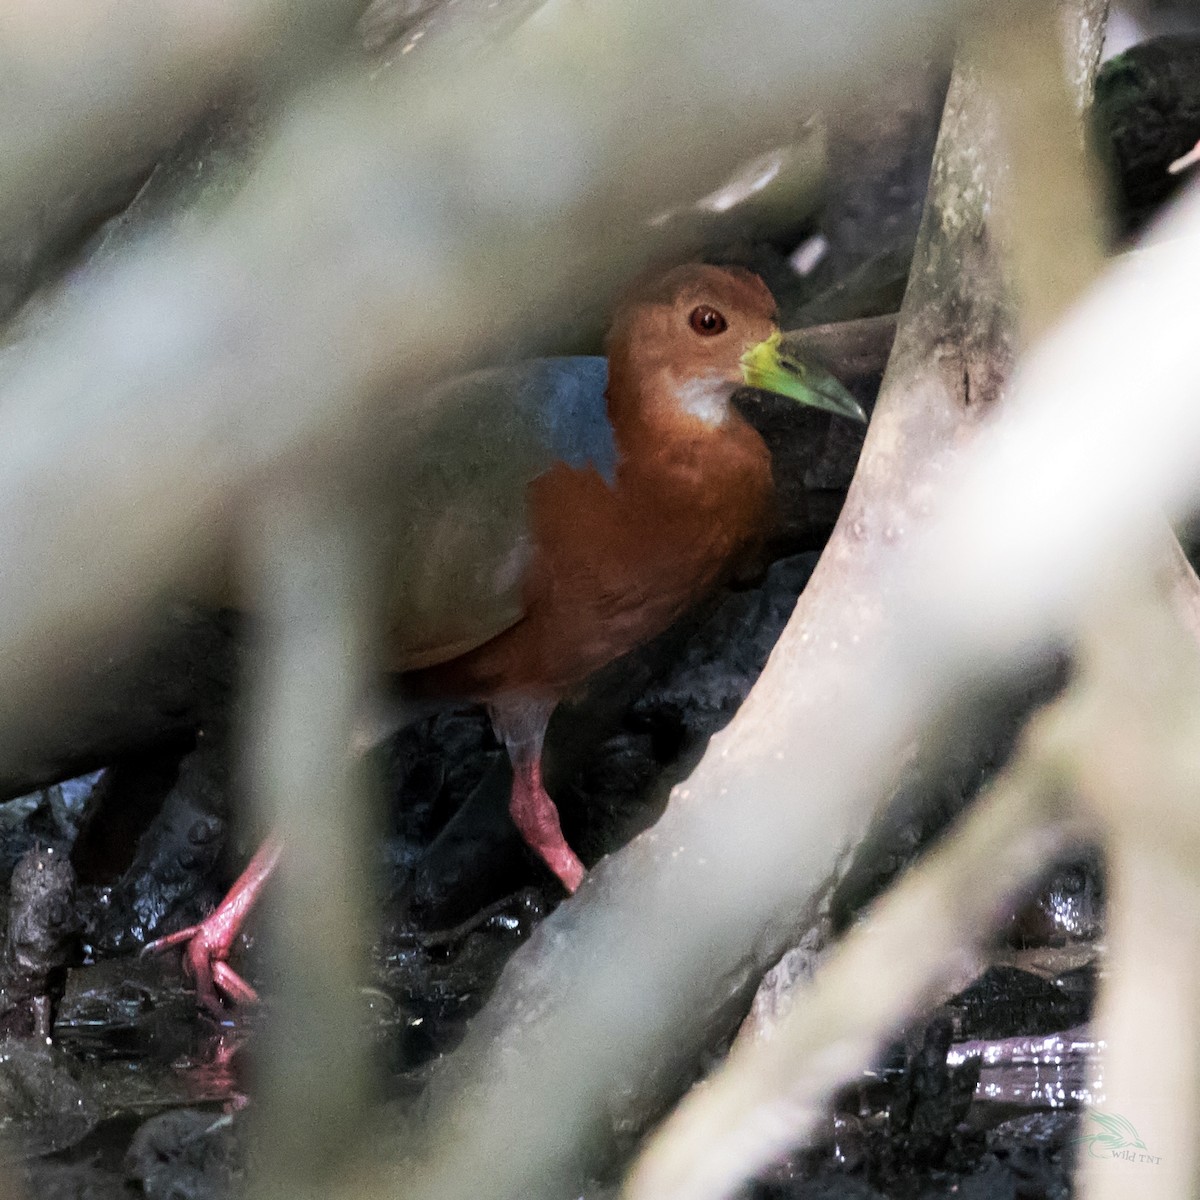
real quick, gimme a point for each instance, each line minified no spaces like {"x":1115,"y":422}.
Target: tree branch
{"x":771,"y":1095}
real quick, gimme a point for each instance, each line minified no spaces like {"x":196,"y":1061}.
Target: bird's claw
{"x":205,"y":962}
{"x":207,"y":946}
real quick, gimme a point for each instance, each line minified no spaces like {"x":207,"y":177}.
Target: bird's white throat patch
{"x":706,"y":398}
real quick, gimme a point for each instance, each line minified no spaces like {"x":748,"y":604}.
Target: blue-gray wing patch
{"x":459,"y":536}
{"x":565,"y":399}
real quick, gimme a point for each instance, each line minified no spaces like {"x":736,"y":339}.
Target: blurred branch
{"x":74,"y":72}
{"x":1050,"y":207}
{"x":1138,"y":763}
{"x":313,"y":594}
{"x":771,"y":1095}
{"x":93,"y":96}
{"x":1131,"y":753}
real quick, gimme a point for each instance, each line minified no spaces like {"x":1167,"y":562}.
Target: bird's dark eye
{"x":706,"y":321}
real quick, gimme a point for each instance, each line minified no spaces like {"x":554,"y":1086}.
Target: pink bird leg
{"x":521,"y":725}
{"x":209,"y":944}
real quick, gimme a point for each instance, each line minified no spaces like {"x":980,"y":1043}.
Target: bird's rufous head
{"x":691,"y":337}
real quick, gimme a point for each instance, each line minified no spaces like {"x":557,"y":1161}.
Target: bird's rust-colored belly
{"x":613,"y":567}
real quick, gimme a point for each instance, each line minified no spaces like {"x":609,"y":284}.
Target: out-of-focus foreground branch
{"x":1130,"y":753}
{"x":313,"y":589}
{"x":92,"y":95}
{"x":1135,"y":738}
{"x":772,"y":1095}
{"x":75,"y":72}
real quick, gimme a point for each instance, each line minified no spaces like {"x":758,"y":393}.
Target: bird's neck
{"x":662,"y":403}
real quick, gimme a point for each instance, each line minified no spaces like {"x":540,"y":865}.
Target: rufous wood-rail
{"x":650,"y":490}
